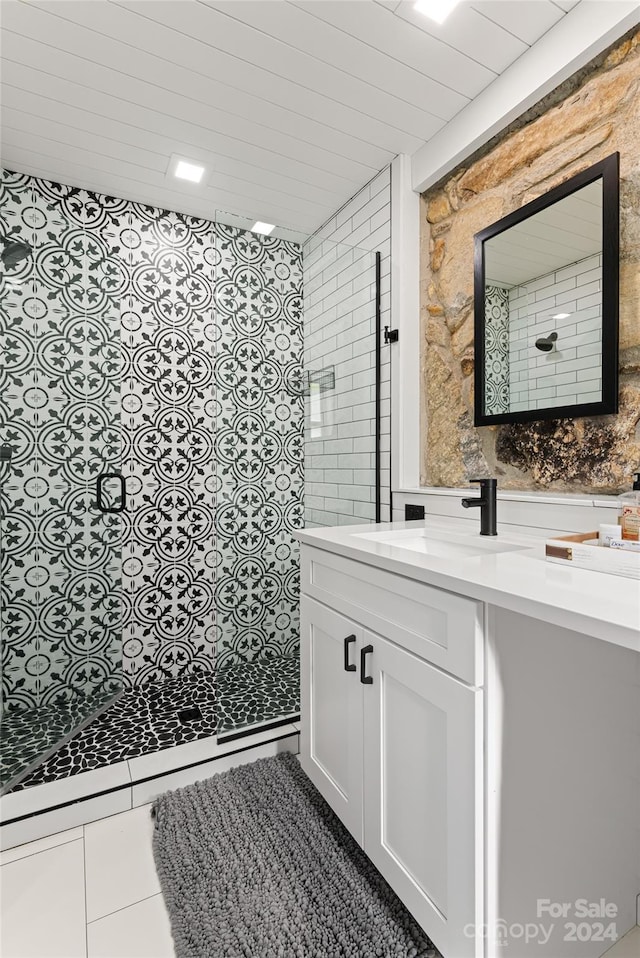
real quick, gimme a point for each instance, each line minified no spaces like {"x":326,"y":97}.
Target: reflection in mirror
{"x":546,"y":317}
{"x":544,"y":277}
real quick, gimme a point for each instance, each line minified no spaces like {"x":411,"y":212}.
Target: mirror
{"x":546,"y":304}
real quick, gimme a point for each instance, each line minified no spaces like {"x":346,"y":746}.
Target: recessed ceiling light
{"x":188,"y":171}
{"x":437,"y":10}
{"x":264,"y":228}
{"x":561,"y":316}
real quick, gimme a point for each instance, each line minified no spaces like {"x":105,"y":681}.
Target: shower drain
{"x":192,"y":714}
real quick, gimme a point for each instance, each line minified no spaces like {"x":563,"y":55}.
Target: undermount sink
{"x":424,"y":541}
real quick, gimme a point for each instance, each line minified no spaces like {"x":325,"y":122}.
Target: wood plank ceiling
{"x":291,"y":106}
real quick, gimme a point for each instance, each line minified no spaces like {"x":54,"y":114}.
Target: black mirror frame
{"x":609,"y":170}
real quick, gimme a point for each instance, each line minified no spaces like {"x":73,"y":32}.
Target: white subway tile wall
{"x":339,"y":360}
{"x":570,"y":372}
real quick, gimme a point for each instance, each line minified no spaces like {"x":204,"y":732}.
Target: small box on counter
{"x":583,"y":551}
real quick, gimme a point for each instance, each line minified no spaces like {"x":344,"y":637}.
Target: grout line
{"x":184,"y":768}
{"x":125,"y":907}
{"x":84,"y":870}
{"x":21,"y":858}
{"x":131,"y":782}
{"x":66,"y":804}
{"x":257,"y":729}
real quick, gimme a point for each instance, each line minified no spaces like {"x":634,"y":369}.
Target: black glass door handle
{"x":123,"y":492}
{"x":364,"y":652}
{"x":347,"y":643}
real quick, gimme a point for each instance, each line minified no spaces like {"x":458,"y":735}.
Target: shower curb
{"x":45,"y":809}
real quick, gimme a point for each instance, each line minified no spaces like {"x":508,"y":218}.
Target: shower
{"x":61,"y":648}
{"x":545,"y":343}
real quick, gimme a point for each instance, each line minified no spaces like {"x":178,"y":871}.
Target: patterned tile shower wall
{"x":259,"y":438}
{"x":168,"y":418}
{"x":202,"y":394}
{"x":496,"y":367}
{"x":59,"y":412}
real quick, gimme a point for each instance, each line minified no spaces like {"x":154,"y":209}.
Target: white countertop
{"x":597,"y":604}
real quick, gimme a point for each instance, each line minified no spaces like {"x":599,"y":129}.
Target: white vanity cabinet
{"x":422,"y":791}
{"x":394,"y":742}
{"x":332,"y":718}
{"x":489,"y":763}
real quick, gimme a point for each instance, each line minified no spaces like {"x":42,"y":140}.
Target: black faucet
{"x":487,"y":503}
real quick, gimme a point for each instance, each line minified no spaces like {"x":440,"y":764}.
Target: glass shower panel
{"x":339,"y":383}
{"x":258,"y":440}
{"x":61,"y":493}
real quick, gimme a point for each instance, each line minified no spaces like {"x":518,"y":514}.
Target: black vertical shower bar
{"x":378,"y":378}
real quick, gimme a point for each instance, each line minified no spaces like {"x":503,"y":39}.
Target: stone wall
{"x":598,"y":114}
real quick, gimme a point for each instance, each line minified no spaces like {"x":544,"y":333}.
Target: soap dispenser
{"x":630,"y":511}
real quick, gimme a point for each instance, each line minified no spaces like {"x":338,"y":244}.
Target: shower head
{"x":14,"y":252}
{"x":545,"y":343}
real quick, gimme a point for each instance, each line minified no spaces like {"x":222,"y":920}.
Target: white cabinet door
{"x":331,"y":710}
{"x":423,"y":793}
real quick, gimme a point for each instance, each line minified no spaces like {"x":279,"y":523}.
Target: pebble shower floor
{"x":145,"y":720}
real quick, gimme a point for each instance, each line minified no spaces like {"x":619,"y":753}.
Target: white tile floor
{"x":90,"y":892}
{"x":93,"y":892}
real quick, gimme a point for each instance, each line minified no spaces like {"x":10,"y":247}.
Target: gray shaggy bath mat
{"x":254,"y":864}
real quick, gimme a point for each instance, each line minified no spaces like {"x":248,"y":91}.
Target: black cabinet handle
{"x":123,"y":492}
{"x":364,"y":652}
{"x":347,"y":642}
